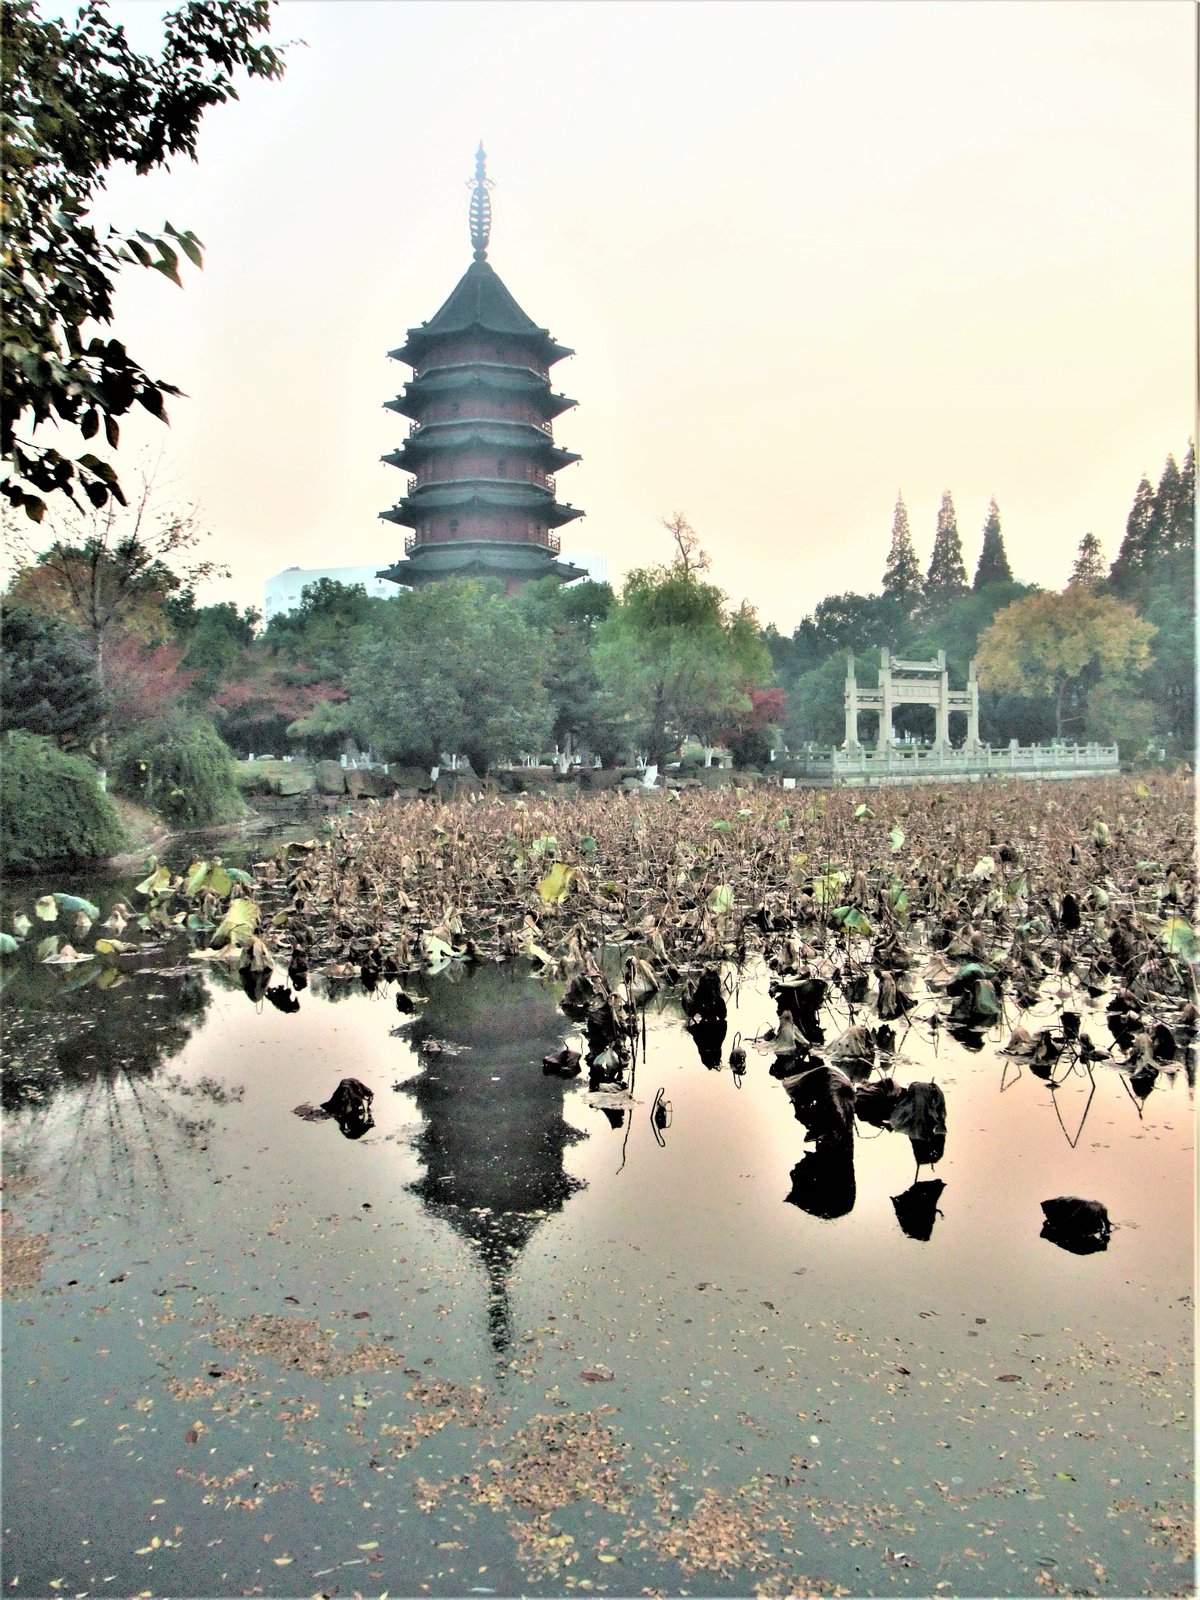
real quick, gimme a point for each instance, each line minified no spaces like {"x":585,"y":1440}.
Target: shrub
{"x":180,"y":768}
{"x":51,"y":806}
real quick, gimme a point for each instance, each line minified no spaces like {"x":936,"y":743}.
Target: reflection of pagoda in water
{"x":493,"y":1136}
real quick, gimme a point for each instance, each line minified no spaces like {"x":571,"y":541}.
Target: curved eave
{"x":528,"y":500}
{"x":428,"y":563}
{"x":464,"y":378}
{"x":522,"y":438}
{"x":419,"y":341}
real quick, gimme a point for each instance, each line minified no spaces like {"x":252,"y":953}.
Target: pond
{"x":520,"y":1337}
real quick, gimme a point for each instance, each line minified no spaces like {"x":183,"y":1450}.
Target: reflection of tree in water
{"x":494,"y":1135}
{"x":75,"y":1026}
{"x":82,"y":1044}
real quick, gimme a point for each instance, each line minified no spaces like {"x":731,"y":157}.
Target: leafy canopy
{"x":450,"y":668}
{"x":677,"y":661}
{"x":1061,"y":645}
{"x":75,"y":102}
{"x":47,"y":679}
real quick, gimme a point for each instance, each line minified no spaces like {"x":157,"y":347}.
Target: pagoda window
{"x":454,"y":409}
{"x":502,"y":468}
{"x":453,"y":525}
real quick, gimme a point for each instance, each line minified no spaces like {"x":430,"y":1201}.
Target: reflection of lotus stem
{"x":660,"y":1116}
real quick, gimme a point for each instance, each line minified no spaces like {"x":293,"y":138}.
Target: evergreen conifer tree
{"x":902,"y":575}
{"x":947,"y":576}
{"x":1128,"y":569}
{"x":1088,"y":571}
{"x":1164,"y":516}
{"x":993,"y":559}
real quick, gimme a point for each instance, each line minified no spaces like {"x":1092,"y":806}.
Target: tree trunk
{"x":658,"y":729}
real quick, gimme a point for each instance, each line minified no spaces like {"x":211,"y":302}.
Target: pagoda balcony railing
{"x":457,"y":422}
{"x":544,"y":541}
{"x":540,"y":480}
{"x":479,"y":361}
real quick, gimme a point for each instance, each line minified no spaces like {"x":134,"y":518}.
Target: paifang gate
{"x":912,"y":683}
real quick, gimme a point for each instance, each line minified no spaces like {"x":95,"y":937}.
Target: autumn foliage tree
{"x":1063,"y":646}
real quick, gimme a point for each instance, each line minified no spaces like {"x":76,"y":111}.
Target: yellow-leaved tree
{"x":1064,"y":646}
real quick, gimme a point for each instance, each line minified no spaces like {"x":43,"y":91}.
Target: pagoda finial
{"x":481,"y":206}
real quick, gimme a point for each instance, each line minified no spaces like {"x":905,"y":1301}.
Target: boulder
{"x":371,"y":783}
{"x":331,"y":777}
{"x":298,"y":780}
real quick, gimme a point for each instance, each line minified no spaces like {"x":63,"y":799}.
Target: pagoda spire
{"x":481,"y":206}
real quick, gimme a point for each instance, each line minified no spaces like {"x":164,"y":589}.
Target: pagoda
{"x":481,"y":501}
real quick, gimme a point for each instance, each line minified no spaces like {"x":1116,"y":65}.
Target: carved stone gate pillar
{"x":942,"y":736}
{"x":851,"y":741}
{"x":973,"y":709}
{"x":884,"y":741}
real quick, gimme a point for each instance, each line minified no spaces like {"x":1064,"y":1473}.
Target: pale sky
{"x":808,"y":254}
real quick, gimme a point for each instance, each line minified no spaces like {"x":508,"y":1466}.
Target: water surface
{"x":515,"y":1340}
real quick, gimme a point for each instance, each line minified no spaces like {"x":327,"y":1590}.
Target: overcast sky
{"x":807,"y":254}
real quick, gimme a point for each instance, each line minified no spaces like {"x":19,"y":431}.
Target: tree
{"x":1172,"y":531}
{"x":326,"y":730}
{"x":214,"y":638}
{"x":145,"y":682}
{"x":451,"y":668}
{"x":689,"y":555}
{"x":565,"y":620}
{"x":1088,"y":571}
{"x":947,"y":577}
{"x":677,"y":661}
{"x":760,"y":729}
{"x":261,"y":697}
{"x":47,"y":682}
{"x":179,"y":767}
{"x":993,"y":560}
{"x":1169,"y":683}
{"x":850,"y":622}
{"x":79,"y":102}
{"x":1062,"y":646}
{"x":51,"y":806}
{"x":816,"y":702}
{"x":326,"y":628}
{"x":110,"y":573}
{"x":1129,"y":568}
{"x":902,"y":575}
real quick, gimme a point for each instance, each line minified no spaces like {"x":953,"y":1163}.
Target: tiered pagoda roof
{"x":481,"y":448}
